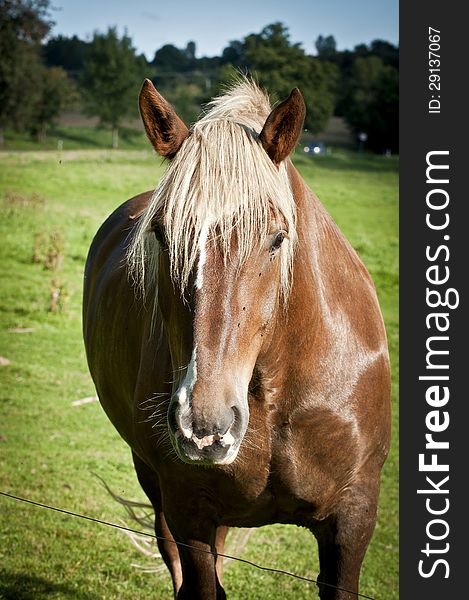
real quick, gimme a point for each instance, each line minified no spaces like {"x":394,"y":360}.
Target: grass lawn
{"x":51,"y":205}
{"x":75,"y":136}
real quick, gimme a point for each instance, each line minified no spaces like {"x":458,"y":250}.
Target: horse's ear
{"x":164,"y":128}
{"x":282,"y":129}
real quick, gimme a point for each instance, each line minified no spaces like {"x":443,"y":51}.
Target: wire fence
{"x":146,"y":534}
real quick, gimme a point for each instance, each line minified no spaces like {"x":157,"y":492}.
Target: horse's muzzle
{"x":205,"y":450}
{"x":217,"y":444}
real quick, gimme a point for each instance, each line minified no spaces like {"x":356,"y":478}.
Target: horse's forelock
{"x":220,"y":179}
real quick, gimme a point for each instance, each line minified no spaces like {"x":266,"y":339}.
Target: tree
{"x":345,"y":60}
{"x":169,"y":58}
{"x":190,"y":50}
{"x":23,"y":25}
{"x":280,"y":65}
{"x":68,"y":53}
{"x":56,"y":93}
{"x":111,"y":78}
{"x":384,"y":109}
{"x":371,"y":104}
{"x":326,"y":47}
{"x":388,"y":53}
{"x":234,"y":54}
{"x":186,"y":98}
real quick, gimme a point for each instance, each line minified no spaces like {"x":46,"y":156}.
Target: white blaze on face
{"x":202,"y":255}
{"x":185,"y":390}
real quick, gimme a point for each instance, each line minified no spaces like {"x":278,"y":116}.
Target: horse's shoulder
{"x":116,"y":227}
{"x":128,"y":212}
{"x":136,"y":206}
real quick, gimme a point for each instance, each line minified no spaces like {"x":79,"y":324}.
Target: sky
{"x":212,"y":24}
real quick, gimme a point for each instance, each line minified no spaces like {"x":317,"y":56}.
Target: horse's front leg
{"x":343,"y":539}
{"x":196,"y":544}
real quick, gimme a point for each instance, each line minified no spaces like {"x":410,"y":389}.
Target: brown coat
{"x":296,"y":390}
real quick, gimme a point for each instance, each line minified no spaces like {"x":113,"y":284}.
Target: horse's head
{"x":223,"y":224}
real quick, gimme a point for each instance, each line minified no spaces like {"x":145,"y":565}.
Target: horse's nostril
{"x":236,"y":415}
{"x":218,"y":427}
{"x":205,"y":432}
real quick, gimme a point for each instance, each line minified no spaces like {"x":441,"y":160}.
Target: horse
{"x":237,"y":345}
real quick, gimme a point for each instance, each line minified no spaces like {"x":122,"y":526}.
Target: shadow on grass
{"x":350,"y":161}
{"x":22,"y":586}
{"x":76,"y":138}
{"x":99,"y":137}
{"x":71,"y":136}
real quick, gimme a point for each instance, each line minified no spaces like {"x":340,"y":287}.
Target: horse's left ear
{"x":164,"y":128}
{"x":282,"y":129}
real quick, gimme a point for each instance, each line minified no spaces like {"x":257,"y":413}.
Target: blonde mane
{"x":220,"y":181}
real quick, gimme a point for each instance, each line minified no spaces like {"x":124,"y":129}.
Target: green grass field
{"x":77,"y":137}
{"x":51,"y":206}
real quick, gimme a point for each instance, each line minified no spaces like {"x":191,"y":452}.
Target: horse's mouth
{"x":209,"y":450}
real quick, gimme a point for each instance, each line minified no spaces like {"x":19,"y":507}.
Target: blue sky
{"x":213,"y":23}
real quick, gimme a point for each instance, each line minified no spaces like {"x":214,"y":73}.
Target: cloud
{"x":146,"y":14}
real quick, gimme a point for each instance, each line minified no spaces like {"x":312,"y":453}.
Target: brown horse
{"x":229,"y":306}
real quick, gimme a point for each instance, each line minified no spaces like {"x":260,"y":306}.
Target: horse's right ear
{"x":283,"y":126}
{"x":164,"y":128}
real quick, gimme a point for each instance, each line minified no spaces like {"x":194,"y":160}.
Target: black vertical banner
{"x":434,"y":252}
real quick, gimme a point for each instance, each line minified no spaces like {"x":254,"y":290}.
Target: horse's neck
{"x":320,"y":244}
{"x":313,"y":338}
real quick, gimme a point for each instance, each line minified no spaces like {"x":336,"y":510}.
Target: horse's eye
{"x":277,"y":242}
{"x":159,"y":233}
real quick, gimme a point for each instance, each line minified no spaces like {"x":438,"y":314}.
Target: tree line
{"x":41,"y":76}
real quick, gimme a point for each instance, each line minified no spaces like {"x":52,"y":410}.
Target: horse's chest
{"x":295,"y":478}
{"x":297,"y":486}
